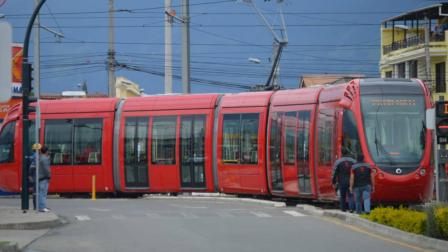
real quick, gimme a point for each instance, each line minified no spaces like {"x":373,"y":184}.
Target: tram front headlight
{"x":422,"y":172}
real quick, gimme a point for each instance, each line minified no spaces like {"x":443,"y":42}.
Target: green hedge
{"x":402,"y":218}
{"x":441,"y":220}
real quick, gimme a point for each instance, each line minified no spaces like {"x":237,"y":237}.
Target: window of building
{"x":7,"y":143}
{"x":88,"y":135}
{"x":413,"y":69}
{"x":440,"y":78}
{"x":401,"y":70}
{"x":164,"y":140}
{"x":388,"y":74}
{"x":240,"y":138}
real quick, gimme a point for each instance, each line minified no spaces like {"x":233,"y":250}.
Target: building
{"x":309,"y":80}
{"x":414,"y":45}
{"x":126,"y":88}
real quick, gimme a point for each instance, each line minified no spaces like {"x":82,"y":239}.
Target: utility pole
{"x":186,"y":47}
{"x":168,"y":47}
{"x":111,"y":52}
{"x":37,"y":54}
{"x":428,"y":76}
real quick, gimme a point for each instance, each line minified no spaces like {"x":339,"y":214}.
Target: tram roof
{"x":296,"y":96}
{"x":171,"y":102}
{"x":78,"y":105}
{"x":247,"y":99}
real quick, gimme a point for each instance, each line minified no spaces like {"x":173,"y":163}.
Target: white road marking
{"x":188,"y":207}
{"x":152,"y":215}
{"x":189,"y":215}
{"x":261,"y":214}
{"x":294,"y":213}
{"x":99,"y":209}
{"x":118,"y":216}
{"x":225,"y":215}
{"x":82,"y":217}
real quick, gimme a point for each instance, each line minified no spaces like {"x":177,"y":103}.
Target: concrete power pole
{"x":37,"y":55}
{"x":428,"y":76}
{"x":111,"y":52}
{"x":186,"y":47}
{"x":168,"y":47}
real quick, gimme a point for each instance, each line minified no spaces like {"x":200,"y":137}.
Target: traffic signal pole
{"x":26,"y":100}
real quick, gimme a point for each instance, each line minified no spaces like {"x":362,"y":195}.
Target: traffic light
{"x":442,"y":122}
{"x":27,"y":88}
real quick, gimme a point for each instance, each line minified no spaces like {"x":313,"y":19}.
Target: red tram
{"x":280,"y":143}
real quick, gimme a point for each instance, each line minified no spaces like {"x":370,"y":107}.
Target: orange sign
{"x":17,"y":58}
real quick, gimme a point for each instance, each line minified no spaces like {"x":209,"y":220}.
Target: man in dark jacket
{"x":341,"y":179}
{"x":44,"y":179}
{"x":361,"y":184}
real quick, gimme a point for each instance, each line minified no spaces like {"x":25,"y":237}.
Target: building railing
{"x":412,"y":41}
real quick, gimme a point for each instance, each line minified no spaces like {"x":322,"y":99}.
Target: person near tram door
{"x":341,"y":180}
{"x":44,"y":179}
{"x":361,"y":184}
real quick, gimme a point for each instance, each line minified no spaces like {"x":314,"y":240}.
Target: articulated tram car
{"x":280,"y":143}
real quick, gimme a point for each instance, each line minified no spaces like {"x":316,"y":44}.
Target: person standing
{"x":44,"y":179}
{"x":361,"y":183}
{"x":341,"y":179}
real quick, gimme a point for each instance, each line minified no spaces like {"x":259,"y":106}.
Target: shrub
{"x":404,"y":219}
{"x":441,"y":220}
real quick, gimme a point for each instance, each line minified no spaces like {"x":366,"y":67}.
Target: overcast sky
{"x":325,"y":36}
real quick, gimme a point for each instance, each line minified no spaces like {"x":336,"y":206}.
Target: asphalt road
{"x":199,"y":225}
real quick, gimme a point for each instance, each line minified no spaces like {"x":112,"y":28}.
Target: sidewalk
{"x":20,"y":229}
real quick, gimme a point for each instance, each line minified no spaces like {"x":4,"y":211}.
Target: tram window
{"x":58,"y":139}
{"x":7,"y":143}
{"x":303,"y":136}
{"x":88,"y":139}
{"x":164,"y":140}
{"x":350,"y":140}
{"x":290,"y":122}
{"x":249,"y":138}
{"x":326,"y":136}
{"x":240,"y":138}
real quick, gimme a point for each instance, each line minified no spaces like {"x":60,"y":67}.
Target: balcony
{"x":412,"y":41}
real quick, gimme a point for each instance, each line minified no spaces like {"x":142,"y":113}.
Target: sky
{"x":324,"y":36}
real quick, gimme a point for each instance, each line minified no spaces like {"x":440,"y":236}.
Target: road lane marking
{"x":188,"y":207}
{"x":82,"y":217}
{"x":152,"y":215}
{"x":118,"y":217}
{"x":99,"y":209}
{"x":189,"y":215}
{"x":294,"y":213}
{"x":225,"y":215}
{"x":261,"y":214}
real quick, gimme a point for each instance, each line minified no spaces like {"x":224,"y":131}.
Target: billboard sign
{"x":17,"y":59}
{"x":5,"y":61}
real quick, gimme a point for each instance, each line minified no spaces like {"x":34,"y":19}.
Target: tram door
{"x":136,"y":152}
{"x":275,"y":152}
{"x":303,"y":142}
{"x":192,"y":151}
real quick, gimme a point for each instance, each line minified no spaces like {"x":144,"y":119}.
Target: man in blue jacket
{"x":361,"y":184}
{"x":341,"y":180}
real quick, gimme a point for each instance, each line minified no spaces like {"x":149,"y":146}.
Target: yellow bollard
{"x":93,"y":188}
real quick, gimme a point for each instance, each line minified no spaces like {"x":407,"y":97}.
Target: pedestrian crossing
{"x":190,"y":215}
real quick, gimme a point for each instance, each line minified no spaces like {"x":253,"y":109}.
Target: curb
{"x":219,"y":197}
{"x":32,"y":225}
{"x":9,"y":248}
{"x":377,"y":228}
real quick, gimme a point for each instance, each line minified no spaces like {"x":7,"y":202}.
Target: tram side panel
{"x":242,"y":143}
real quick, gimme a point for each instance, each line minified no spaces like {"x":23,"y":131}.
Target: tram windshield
{"x":394,"y":127}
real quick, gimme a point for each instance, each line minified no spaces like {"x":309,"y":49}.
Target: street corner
{"x":17,"y":219}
